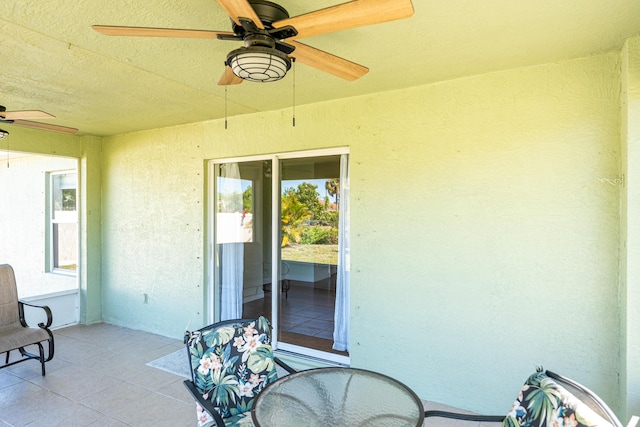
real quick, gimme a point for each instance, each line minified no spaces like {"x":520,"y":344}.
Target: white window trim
{"x":50,"y":262}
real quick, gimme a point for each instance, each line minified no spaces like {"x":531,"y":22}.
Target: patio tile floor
{"x":99,"y":377}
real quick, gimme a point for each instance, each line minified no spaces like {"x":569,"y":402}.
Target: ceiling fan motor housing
{"x":267,"y":11}
{"x":263,"y":40}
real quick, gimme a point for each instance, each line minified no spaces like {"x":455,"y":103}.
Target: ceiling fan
{"x":270,"y":36}
{"x":20,"y":118}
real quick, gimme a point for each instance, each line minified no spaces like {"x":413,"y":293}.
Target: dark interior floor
{"x":306,"y":315}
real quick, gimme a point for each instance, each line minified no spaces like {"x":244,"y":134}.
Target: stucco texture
{"x":630,"y":233}
{"x":487,"y":240}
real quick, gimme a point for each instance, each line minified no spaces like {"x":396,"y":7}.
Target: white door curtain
{"x":342,"y":313}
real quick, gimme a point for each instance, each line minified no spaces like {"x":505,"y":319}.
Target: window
{"x":63,"y":229}
{"x":280,"y":248}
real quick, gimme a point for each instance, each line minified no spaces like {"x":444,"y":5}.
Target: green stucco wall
{"x":153,"y":229}
{"x":486,"y":226}
{"x":630,"y":230}
{"x":504,"y":250}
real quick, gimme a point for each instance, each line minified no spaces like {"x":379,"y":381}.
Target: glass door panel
{"x":309,"y":251}
{"x":242,"y":236}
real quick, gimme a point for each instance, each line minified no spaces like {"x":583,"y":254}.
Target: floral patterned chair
{"x":230,"y":363}
{"x":548,"y":400}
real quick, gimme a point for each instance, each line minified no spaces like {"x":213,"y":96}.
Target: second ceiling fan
{"x":19,"y":118}
{"x":270,"y":36}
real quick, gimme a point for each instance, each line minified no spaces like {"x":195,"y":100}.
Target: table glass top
{"x":337,"y":397}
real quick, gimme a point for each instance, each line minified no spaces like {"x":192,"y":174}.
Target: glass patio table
{"x":337,"y":397}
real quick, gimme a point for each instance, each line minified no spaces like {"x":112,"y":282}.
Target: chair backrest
{"x":8,"y":296}
{"x":549,"y":400}
{"x":231,"y":362}
{"x":587,"y":397}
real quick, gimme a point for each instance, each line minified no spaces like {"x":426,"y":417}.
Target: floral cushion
{"x":240,"y":420}
{"x":231,"y":363}
{"x":543,"y":402}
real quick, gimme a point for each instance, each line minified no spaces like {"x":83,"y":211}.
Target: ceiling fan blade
{"x":228,"y":78}
{"x":111,"y":30}
{"x":31,"y":114}
{"x":44,"y":126}
{"x":327,"y":62}
{"x":240,"y":9}
{"x":353,"y":14}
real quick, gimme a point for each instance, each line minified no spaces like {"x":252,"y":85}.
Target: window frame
{"x":50,"y":242}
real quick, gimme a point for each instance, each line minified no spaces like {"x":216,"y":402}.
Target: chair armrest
{"x":206,"y":405}
{"x":46,"y":309}
{"x":465,"y":417}
{"x":285,"y":366}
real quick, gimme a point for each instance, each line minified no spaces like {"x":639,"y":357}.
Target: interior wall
{"x":485,"y":226}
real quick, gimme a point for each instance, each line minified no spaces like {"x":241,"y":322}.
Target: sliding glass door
{"x":280,"y":248}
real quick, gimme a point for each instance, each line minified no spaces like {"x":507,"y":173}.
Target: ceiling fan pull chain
{"x":225,"y":106}
{"x":4,"y":134}
{"x":293,"y":60}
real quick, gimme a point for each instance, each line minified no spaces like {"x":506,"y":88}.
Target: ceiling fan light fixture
{"x":258,"y":63}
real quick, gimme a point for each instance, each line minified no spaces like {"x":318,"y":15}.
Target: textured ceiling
{"x":51,"y":59}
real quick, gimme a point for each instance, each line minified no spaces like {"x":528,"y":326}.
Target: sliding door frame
{"x":212,"y":293}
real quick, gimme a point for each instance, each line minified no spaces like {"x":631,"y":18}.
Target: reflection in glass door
{"x":279,"y":249}
{"x":240,"y":236}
